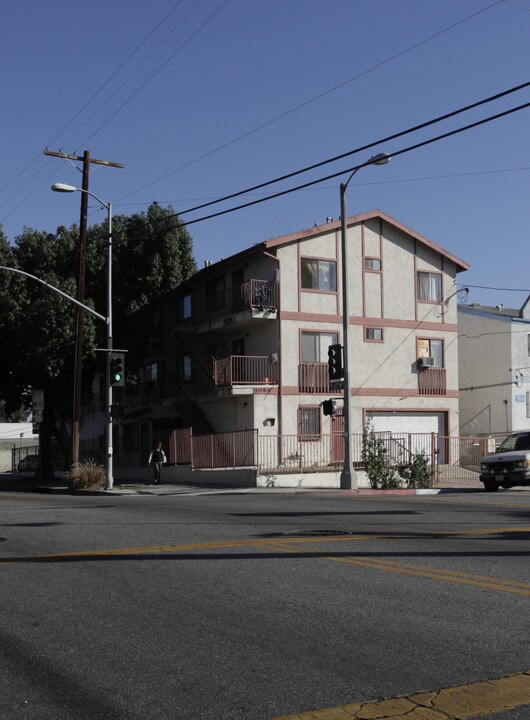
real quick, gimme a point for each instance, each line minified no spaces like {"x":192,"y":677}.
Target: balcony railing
{"x":313,"y":377}
{"x":260,"y":295}
{"x":245,"y":370}
{"x":431,"y":381}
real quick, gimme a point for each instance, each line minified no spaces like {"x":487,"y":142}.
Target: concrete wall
{"x":240,"y":477}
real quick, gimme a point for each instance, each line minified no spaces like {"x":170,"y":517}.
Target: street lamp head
{"x":380,"y":159}
{"x":63,"y":187}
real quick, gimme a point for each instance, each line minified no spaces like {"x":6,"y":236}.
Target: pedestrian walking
{"x":157,"y":457}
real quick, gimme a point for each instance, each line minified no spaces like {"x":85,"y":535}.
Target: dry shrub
{"x":87,"y":475}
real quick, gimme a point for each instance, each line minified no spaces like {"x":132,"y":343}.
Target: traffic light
{"x":336,"y":370}
{"x":117,"y":369}
{"x":329,"y":407}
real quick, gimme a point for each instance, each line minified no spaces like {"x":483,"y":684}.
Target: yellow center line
{"x":510,"y":586}
{"x":287,"y":544}
{"x":266,"y":543}
{"x":460,"y":701}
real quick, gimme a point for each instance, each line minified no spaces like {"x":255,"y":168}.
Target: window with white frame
{"x":309,"y":427}
{"x":319,"y":274}
{"x":429,"y":287}
{"x":315,"y":346}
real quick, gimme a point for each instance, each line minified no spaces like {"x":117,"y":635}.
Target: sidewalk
{"x":12,"y":482}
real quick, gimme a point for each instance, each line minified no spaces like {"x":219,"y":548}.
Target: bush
{"x":417,"y":473}
{"x":87,"y":475}
{"x":381,"y":473}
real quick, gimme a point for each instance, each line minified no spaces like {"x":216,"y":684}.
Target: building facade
{"x":494,"y":361}
{"x":243,"y":345}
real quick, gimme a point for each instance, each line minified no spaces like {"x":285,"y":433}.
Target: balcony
{"x":245,"y":371}
{"x":431,"y":381}
{"x":313,"y":377}
{"x":242,"y":304}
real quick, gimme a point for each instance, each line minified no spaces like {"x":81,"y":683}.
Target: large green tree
{"x":152,"y":254}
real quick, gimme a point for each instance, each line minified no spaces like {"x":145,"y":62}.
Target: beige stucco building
{"x":243,"y":344}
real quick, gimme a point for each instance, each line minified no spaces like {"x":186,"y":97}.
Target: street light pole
{"x":348,"y":476}
{"x":62,"y":187}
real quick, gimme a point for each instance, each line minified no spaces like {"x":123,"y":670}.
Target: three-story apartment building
{"x":243,"y":344}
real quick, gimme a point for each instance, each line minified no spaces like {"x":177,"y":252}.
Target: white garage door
{"x":408,"y":422}
{"x":414,"y":430}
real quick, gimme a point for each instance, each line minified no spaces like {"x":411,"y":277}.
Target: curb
{"x":148,"y":489}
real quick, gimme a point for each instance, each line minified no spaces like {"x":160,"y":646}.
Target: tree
{"x":152,"y":254}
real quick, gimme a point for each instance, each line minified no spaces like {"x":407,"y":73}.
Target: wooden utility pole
{"x":79,"y":336}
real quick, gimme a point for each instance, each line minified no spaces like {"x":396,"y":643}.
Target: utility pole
{"x":79,"y":336}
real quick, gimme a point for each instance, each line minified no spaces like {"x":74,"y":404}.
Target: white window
{"x":319,"y":274}
{"x":429,"y":286}
{"x":315,"y":346}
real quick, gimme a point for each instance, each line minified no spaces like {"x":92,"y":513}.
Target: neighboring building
{"x":16,"y":440}
{"x":243,"y":344}
{"x":494,"y":368}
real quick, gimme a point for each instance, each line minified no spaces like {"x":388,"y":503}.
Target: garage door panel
{"x":413,"y":430}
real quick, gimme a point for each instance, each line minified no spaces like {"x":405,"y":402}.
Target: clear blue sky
{"x":205,"y":104}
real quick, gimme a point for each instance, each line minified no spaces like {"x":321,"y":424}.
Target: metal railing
{"x":432,"y":381}
{"x":260,"y":294}
{"x":245,"y":370}
{"x":454,"y":461}
{"x":313,"y":377}
{"x":252,"y":294}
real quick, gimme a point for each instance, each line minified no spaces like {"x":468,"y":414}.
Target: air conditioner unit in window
{"x":426,"y":362}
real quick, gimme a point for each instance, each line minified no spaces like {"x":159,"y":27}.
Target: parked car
{"x":509,"y":465}
{"x":30,"y":463}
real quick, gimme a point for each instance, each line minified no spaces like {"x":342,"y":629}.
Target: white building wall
{"x":485,"y":362}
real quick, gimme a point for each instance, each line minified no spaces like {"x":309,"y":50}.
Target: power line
{"x":420,"y":178}
{"x":113,"y":75}
{"x":394,"y":136}
{"x":347,"y":170}
{"x":485,"y":287}
{"x":146,"y":58}
{"x":126,"y":102}
{"x":107,"y":81}
{"x":314,"y":99}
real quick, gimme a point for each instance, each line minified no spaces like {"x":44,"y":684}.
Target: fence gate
{"x":457,"y":460}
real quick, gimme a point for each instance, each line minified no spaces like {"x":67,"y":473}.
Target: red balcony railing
{"x":431,"y":381}
{"x":245,"y":370}
{"x":313,"y":377}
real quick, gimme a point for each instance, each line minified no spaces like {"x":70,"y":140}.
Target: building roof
{"x":499,"y":310}
{"x":334,"y":225}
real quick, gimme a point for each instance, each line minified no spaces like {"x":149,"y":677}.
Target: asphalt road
{"x":258,"y":606}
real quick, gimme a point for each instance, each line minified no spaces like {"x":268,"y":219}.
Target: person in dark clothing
{"x":157,"y":458}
